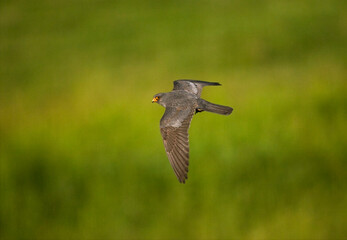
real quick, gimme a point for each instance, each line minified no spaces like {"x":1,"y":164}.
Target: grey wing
{"x":174,"y":127}
{"x":192,"y":86}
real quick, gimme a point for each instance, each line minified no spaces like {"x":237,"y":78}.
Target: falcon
{"x":181,"y":104}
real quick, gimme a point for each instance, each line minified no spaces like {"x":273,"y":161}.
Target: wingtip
{"x":199,"y":81}
{"x":214,"y":84}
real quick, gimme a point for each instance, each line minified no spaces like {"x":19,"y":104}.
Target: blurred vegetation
{"x":80,"y":149}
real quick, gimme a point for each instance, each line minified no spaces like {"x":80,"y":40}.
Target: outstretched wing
{"x":192,"y":86}
{"x":174,"y":127}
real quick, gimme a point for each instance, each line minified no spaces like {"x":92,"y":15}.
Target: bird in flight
{"x":181,"y":104}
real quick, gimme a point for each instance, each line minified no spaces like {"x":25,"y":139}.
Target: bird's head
{"x":157,"y":98}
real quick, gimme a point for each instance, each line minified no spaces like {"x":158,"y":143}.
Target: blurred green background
{"x":80,"y":148}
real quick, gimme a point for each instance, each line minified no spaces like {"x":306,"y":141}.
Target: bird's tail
{"x":204,"y":105}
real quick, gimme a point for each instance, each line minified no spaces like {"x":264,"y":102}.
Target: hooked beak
{"x":154,"y":100}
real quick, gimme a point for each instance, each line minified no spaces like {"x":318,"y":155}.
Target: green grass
{"x":80,"y":148}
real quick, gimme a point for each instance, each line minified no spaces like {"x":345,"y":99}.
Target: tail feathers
{"x":215,"y":108}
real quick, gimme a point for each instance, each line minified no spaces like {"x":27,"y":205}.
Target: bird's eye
{"x":157,"y":98}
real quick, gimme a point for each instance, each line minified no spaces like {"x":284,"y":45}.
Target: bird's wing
{"x":174,"y":127}
{"x":192,"y":86}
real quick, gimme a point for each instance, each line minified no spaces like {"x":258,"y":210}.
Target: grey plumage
{"x":181,"y":104}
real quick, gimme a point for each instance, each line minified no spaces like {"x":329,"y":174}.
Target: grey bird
{"x":181,"y":104}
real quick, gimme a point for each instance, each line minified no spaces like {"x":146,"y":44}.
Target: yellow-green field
{"x":80,"y":147}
